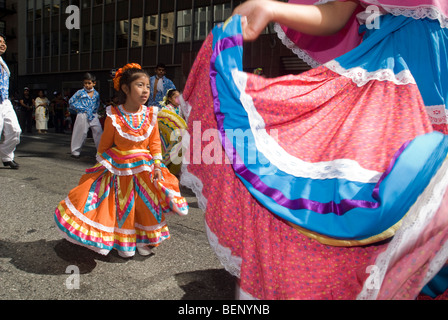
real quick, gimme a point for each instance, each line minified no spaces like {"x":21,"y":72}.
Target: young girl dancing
{"x":120,"y":203}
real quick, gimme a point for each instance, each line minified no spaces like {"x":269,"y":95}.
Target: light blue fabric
{"x":167,"y":85}
{"x":4,"y":84}
{"x":401,"y":43}
{"x":438,"y":284}
{"x":81,"y":102}
{"x":276,"y":190}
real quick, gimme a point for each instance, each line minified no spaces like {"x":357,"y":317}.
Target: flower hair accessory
{"x":120,"y":72}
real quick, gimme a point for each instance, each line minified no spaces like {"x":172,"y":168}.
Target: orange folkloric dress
{"x":117,"y":204}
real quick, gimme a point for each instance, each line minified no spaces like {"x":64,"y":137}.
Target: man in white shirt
{"x":9,"y":125}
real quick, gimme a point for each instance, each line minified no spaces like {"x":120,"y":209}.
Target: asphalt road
{"x":36,"y":263}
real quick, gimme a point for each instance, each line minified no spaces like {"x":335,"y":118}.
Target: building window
{"x":222,"y":12}
{"x":56,"y":8}
{"x":46,"y":44}
{"x":97,"y":37}
{"x":74,"y":41}
{"x":202,"y":21}
{"x":55,"y":43}
{"x":37,"y":46}
{"x":64,"y":41}
{"x":167,"y":28}
{"x":109,"y":35}
{"x":47,"y":8}
{"x":122,"y":33}
{"x":38,"y":11}
{"x":151,"y":30}
{"x":184,"y":25}
{"x":85,"y":39}
{"x":137,"y":32}
{"x":30,"y":10}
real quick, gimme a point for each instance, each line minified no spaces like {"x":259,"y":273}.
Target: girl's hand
{"x":158,"y":174}
{"x":255,"y":16}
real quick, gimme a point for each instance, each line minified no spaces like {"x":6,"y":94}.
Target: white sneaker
{"x":144,"y":251}
{"x":125,"y":254}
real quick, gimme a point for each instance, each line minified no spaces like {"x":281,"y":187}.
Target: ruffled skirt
{"x":306,"y":179}
{"x":117,"y":204}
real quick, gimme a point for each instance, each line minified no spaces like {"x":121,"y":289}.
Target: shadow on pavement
{"x":212,"y":284}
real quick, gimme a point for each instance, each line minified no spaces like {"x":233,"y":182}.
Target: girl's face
{"x":174,"y":100}
{"x":138,"y":91}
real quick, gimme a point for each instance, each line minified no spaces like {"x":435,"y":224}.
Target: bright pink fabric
{"x":326,"y":48}
{"x":321,"y":116}
{"x":277,"y":262}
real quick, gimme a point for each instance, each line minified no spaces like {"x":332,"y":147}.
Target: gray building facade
{"x":59,"y":40}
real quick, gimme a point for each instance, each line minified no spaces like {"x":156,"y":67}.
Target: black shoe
{"x":12,"y":164}
{"x":75,"y":157}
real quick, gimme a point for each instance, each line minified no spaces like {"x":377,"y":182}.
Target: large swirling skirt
{"x":306,"y":179}
{"x":118,"y":205}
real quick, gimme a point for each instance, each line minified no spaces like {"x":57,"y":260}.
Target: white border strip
{"x":336,"y":169}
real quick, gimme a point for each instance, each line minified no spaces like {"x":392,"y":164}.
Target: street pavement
{"x":36,"y":263}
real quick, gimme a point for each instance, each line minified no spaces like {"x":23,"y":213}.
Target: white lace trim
{"x":266,"y":144}
{"x":437,"y":114}
{"x":192,"y":182}
{"x":436,"y":264}
{"x":240,"y":294}
{"x":412,"y":227}
{"x":101,"y":227}
{"x":185,"y":108}
{"x":302,"y":54}
{"x":230,"y":262}
{"x":418,"y":12}
{"x":361,"y":77}
{"x":129,"y":136}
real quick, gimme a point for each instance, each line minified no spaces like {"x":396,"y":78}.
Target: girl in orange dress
{"x":121,"y":202}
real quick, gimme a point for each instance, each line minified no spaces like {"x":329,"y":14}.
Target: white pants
{"x":9,"y":131}
{"x":80,"y":130}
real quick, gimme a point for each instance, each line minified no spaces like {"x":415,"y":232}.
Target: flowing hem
{"x":414,"y":223}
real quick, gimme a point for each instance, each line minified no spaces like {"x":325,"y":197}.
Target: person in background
{"x":59,"y":106}
{"x":171,"y":101}
{"x":42,"y":112}
{"x":26,"y":111}
{"x":9,"y":124}
{"x":159,"y":85}
{"x":85,"y":103}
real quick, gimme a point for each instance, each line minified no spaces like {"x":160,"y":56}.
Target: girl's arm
{"x":107,"y":138}
{"x":319,"y":20}
{"x":155,"y":147}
